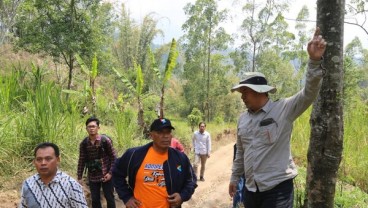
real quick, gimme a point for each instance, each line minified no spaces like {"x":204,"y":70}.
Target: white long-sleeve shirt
{"x":201,"y":143}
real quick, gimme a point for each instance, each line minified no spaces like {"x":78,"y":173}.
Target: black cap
{"x":161,"y":123}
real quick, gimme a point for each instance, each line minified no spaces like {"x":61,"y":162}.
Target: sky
{"x":171,"y":17}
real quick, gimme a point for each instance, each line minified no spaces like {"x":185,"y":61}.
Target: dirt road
{"x":213,"y":192}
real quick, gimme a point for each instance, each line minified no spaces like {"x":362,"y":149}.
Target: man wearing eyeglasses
{"x":97,"y":155}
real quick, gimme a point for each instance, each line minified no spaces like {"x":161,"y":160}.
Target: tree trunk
{"x":162,"y":102}
{"x":70,"y":64}
{"x":208,"y":72}
{"x":140,"y":114}
{"x":326,"y":141}
{"x":93,"y":96}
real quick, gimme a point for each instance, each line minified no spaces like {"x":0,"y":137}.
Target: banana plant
{"x":137,"y":91}
{"x":89,"y":91}
{"x":170,"y":65}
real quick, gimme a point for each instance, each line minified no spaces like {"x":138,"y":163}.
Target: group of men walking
{"x":156,"y":175}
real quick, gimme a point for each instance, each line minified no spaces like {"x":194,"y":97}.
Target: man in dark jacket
{"x":154,"y":175}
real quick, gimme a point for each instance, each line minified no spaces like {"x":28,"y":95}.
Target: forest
{"x":64,"y":61}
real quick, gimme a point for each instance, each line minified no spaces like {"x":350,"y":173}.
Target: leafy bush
{"x":194,"y":118}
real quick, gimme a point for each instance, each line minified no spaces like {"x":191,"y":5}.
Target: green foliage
{"x":11,"y":91}
{"x":353,"y":168}
{"x":345,"y":196}
{"x":219,"y":119}
{"x":175,"y":104}
{"x":8,"y":11}
{"x":125,"y":81}
{"x":92,"y":73}
{"x":171,"y":62}
{"x":82,"y":65}
{"x":89,"y":89}
{"x":240,"y":60}
{"x":170,"y":65}
{"x":125,"y":129}
{"x":151,"y":108}
{"x":133,"y":45}
{"x":354,"y":164}
{"x":137,"y":91}
{"x":194,"y":118}
{"x":139,"y":79}
{"x":44,"y":113}
{"x":259,"y":28}
{"x":62,"y":29}
{"x":279,"y":73}
{"x":204,"y":36}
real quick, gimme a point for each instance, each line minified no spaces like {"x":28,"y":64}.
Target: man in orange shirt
{"x":154,"y":175}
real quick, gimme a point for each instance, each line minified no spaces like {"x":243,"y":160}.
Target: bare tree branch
{"x":349,"y":23}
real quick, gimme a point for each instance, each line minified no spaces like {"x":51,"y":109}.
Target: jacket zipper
{"x":130,"y":159}
{"x":170,"y":176}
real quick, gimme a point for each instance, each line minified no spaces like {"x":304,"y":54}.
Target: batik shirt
{"x":62,"y":192}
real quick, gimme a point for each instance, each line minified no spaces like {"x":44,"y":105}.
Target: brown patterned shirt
{"x":103,"y":151}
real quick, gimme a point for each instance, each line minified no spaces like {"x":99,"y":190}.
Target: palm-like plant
{"x":170,"y":65}
{"x":89,"y":92}
{"x":137,"y":91}
{"x":92,"y":74}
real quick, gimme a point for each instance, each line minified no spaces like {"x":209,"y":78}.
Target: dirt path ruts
{"x":213,"y":192}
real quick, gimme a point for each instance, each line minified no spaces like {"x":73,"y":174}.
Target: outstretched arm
{"x":299,"y":102}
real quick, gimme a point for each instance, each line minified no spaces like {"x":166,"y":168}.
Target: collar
{"x":201,"y":133}
{"x":98,"y":138}
{"x":56,"y":179}
{"x":266,"y":108}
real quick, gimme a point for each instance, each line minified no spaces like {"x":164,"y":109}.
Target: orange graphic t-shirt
{"x":150,"y":186}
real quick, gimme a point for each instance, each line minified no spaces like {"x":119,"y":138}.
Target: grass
{"x":351,"y":188}
{"x":346,"y":196}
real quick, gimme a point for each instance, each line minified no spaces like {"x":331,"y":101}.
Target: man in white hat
{"x":264,"y":130}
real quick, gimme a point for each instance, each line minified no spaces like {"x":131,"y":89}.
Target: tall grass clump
{"x":11,"y":90}
{"x":354,"y":165}
{"x":345,"y":196}
{"x":12,"y":94}
{"x":73,"y":133}
{"x":125,"y":130}
{"x":300,"y":138}
{"x":32,"y":111}
{"x":43,"y":116}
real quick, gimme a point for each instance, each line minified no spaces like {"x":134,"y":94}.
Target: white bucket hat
{"x":255,"y":81}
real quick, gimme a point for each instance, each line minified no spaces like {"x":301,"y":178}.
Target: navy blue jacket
{"x":179,"y":174}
